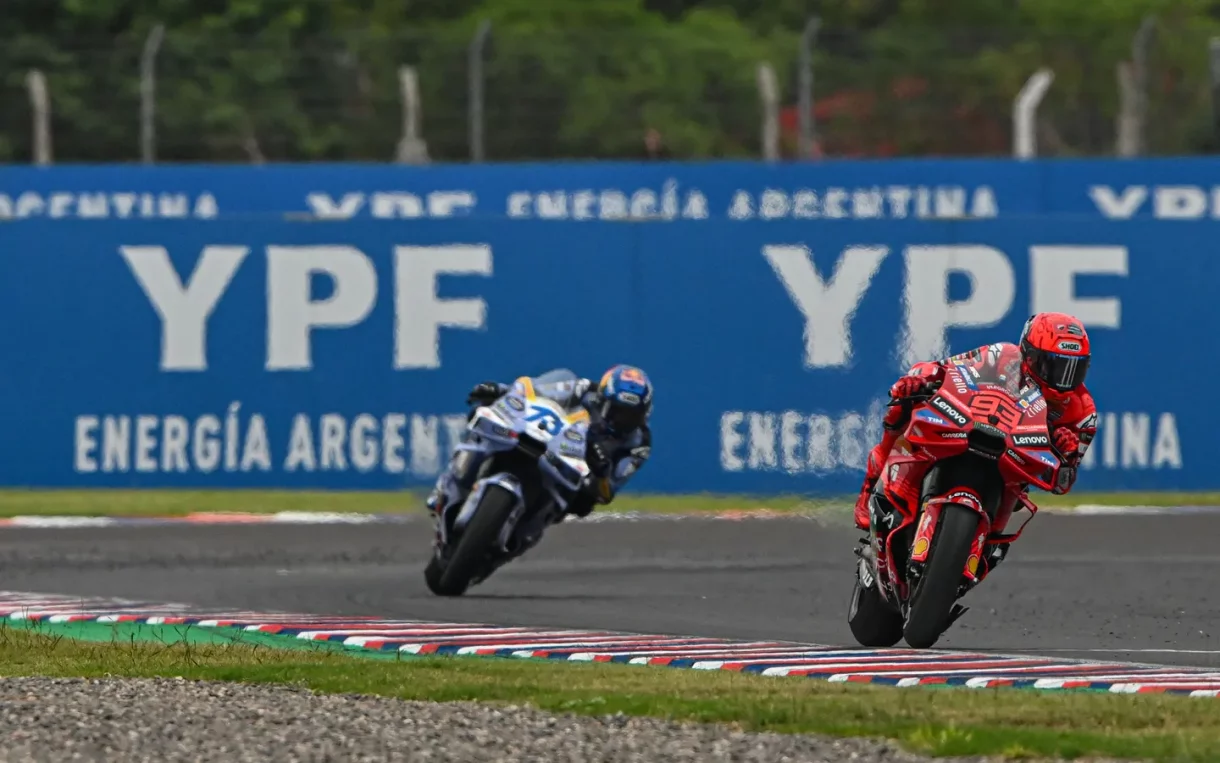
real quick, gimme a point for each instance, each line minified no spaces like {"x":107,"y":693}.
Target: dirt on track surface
{"x":1139,"y":588}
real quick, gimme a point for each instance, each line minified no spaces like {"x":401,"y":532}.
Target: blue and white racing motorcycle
{"x":528,"y":454}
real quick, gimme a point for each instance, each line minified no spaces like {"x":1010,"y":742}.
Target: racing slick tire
{"x":873,"y":621}
{"x":469,"y":561}
{"x":936,"y":591}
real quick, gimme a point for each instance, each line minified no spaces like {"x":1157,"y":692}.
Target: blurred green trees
{"x":301,"y":80}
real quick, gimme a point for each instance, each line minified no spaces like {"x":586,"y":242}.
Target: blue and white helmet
{"x":625,"y":395}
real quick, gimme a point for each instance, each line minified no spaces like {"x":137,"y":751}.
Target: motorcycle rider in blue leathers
{"x":619,"y":440}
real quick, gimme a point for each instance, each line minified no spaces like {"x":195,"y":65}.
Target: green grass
{"x":180,"y":502}
{"x":938,"y":721}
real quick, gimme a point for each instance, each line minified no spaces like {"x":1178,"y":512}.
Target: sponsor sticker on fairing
{"x":571,"y":450}
{"x":966,"y":382}
{"x":945,"y":407}
{"x":1030,"y":440}
{"x":930,"y":417}
{"x":964,"y":498}
{"x":959,"y":382}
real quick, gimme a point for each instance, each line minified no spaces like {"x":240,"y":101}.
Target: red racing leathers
{"x":1073,"y":411}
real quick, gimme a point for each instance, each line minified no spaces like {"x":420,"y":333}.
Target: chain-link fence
{"x":455,"y":95}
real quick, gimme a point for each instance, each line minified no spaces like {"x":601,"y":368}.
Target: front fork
{"x":452,"y":489}
{"x":981,"y":558}
{"x":874,"y":562}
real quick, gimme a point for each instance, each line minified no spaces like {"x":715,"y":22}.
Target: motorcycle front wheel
{"x":470,"y":558}
{"x":936,"y":592}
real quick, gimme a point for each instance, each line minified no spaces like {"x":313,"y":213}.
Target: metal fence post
{"x":768,"y":93}
{"x":40,"y":104}
{"x":477,"y":46}
{"x":148,"y":94}
{"x":1213,"y":50}
{"x":805,"y":119}
{"x":411,"y":148}
{"x":1025,"y":111}
{"x":1133,"y":92}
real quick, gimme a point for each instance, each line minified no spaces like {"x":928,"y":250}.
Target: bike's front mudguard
{"x":471,"y":504}
{"x":451,"y":486}
{"x":930,"y":521}
{"x":516,"y":536}
{"x":465,"y":510}
{"x":454,"y":513}
{"x":878,"y":564}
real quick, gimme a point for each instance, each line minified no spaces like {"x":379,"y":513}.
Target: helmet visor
{"x":624,"y":418}
{"x":1061,"y":372}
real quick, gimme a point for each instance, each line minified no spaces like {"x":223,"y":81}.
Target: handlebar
{"x":920,"y":397}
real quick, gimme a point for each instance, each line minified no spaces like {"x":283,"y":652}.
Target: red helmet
{"x":1055,"y":352}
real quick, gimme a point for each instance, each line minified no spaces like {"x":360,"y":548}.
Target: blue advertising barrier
{"x":1167,"y":189}
{"x":258,"y":351}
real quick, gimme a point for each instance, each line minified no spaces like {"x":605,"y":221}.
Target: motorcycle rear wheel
{"x":470,"y":557}
{"x":936,"y":592}
{"x":432,"y":576}
{"x":873,"y":621}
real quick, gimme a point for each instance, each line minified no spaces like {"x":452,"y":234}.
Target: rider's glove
{"x":598,"y":460}
{"x":483,"y":392}
{"x":1067,"y":443}
{"x":908,"y":386}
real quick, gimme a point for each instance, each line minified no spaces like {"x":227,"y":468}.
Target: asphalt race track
{"x":1140,"y":588}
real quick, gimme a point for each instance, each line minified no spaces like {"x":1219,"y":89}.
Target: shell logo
{"x":972,"y":564}
{"x":921,"y":547}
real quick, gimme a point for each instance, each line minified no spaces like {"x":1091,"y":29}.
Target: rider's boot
{"x":892,"y":424}
{"x":455,"y":482}
{"x":872,"y":473}
{"x":433,"y":502}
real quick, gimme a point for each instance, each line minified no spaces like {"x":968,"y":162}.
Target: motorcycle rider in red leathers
{"x":1053,"y":353}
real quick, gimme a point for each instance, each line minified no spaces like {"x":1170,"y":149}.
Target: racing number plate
{"x":996,"y":409}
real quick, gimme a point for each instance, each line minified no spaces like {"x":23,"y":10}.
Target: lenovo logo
{"x":942,"y":405}
{"x":1030,"y":440}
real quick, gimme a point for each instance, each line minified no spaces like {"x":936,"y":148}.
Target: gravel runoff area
{"x":43,"y":719}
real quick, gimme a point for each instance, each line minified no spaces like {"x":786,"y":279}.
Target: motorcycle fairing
{"x":970,"y":413}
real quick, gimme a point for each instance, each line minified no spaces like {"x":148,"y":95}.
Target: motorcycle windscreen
{"x":997,"y":369}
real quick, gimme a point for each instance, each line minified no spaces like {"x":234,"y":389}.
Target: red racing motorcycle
{"x":948,"y":491}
